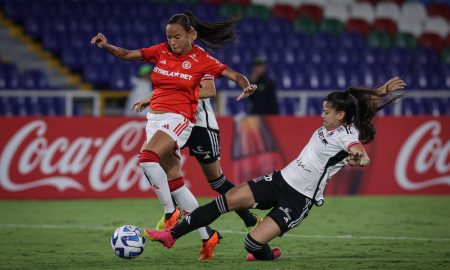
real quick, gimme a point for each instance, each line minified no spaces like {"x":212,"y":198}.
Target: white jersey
{"x":205,"y":113}
{"x":320,"y":159}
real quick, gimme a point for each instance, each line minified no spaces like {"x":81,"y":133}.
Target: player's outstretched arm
{"x":121,"y":53}
{"x":242,"y":81}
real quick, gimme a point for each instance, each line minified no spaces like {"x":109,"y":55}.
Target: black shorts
{"x":289,"y":207}
{"x":204,"y":144}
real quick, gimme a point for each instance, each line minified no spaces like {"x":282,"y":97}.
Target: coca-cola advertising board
{"x":97,"y":157}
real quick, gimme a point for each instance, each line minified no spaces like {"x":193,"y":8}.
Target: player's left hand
{"x":247,"y":91}
{"x":393,"y":84}
{"x":355,"y":159}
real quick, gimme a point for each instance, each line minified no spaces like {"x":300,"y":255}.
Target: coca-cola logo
{"x":431,"y":155}
{"x":108,"y":161}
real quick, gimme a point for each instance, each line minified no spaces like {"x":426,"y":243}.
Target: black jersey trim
{"x":340,"y":156}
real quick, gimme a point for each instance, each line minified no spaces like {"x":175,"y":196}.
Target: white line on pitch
{"x":107,"y":228}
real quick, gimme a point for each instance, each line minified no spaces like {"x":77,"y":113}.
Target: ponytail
{"x":360,"y":106}
{"x":213,"y":35}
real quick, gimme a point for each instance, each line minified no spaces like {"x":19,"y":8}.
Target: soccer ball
{"x":127,"y":243}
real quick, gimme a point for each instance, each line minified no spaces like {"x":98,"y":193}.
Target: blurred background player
{"x":180,"y":65}
{"x":291,"y":192}
{"x":142,"y":88}
{"x":265,"y":100}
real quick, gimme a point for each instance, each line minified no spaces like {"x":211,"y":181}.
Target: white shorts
{"x":178,"y":127}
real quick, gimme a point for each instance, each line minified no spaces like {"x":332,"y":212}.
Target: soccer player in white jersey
{"x":291,"y":192}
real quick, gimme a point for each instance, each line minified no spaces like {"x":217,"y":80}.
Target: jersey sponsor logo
{"x":321,"y":136}
{"x":163,"y":61}
{"x":267,"y":177}
{"x":172,"y":74}
{"x":166,"y":126}
{"x":186,"y":65}
{"x":302,"y":165}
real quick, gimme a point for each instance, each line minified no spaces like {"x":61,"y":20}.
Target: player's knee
{"x":148,"y":156}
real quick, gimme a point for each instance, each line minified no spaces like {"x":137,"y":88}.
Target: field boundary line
{"x":108,"y":228}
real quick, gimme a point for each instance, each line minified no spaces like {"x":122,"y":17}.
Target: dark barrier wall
{"x":97,"y":157}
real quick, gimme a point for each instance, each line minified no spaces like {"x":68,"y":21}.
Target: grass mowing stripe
{"x":103,"y":228}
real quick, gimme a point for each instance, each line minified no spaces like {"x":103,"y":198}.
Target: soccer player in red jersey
{"x":291,"y":192}
{"x":180,"y":65}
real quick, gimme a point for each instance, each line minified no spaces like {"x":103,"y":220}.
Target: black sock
{"x":201,"y":217}
{"x":260,"y":251}
{"x":222,"y":185}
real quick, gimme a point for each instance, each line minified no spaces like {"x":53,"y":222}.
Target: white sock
{"x":187,"y":202}
{"x":158,"y":179}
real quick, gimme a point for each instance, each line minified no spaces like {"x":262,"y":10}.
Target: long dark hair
{"x":360,"y":106}
{"x":213,"y":35}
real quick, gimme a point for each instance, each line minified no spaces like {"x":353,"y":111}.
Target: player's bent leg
{"x":256,"y":242}
{"x":220,"y":183}
{"x":240,"y":197}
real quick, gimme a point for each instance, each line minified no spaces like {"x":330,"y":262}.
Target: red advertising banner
{"x":97,"y":157}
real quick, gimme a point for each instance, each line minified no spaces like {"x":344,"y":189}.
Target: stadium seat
{"x":9,"y":76}
{"x":410,"y":25}
{"x":333,"y":26}
{"x":413,"y":11}
{"x":435,"y":106}
{"x":357,"y":25}
{"x":363,"y":11}
{"x":445,"y":55}
{"x":284,"y":11}
{"x":325,"y":41}
{"x":305,"y":25}
{"x":411,"y":106}
{"x":336,"y":10}
{"x":430,"y":40}
{"x":314,"y":106}
{"x":258,"y":11}
{"x":351,"y":40}
{"x":278,"y":26}
{"x":230,"y":9}
{"x":388,"y":10}
{"x":206,"y":11}
{"x":405,"y":40}
{"x":288,"y":106}
{"x":436,"y":25}
{"x":34,"y":79}
{"x":385,"y":25}
{"x":378,"y":40}
{"x":439,"y":9}
{"x":426,"y":57}
{"x":310,"y":10}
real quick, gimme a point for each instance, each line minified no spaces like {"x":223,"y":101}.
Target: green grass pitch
{"x":346,"y":233}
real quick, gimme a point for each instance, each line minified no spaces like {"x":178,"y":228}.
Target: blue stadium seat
{"x":96,"y":74}
{"x":435,"y":106}
{"x":411,"y":106}
{"x":34,"y":79}
{"x":425,"y":57}
{"x":374,"y":56}
{"x":9,"y":76}
{"x":206,"y":11}
{"x":288,"y":106}
{"x":314,"y":106}
{"x":237,"y":107}
{"x":298,"y":41}
{"x":351,"y":40}
{"x":325,"y":41}
{"x":278,"y":25}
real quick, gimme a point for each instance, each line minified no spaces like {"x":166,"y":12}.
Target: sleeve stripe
{"x":207,"y":77}
{"x":351,"y":144}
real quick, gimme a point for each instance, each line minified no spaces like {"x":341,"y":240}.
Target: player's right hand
{"x":99,"y":40}
{"x":140,"y":105}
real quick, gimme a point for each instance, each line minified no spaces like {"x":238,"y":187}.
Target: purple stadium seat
{"x":34,"y":79}
{"x":288,"y":106}
{"x":351,"y":40}
{"x":435,"y":106}
{"x":314,"y":106}
{"x":411,"y":106}
{"x":9,"y":76}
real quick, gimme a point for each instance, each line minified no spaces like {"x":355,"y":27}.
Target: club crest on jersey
{"x":186,"y":65}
